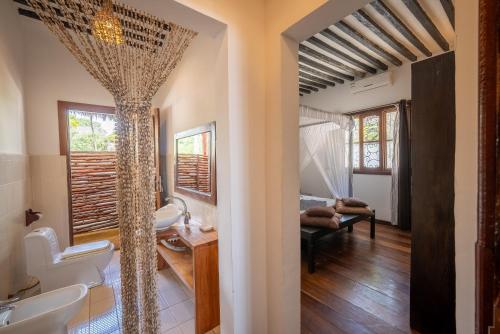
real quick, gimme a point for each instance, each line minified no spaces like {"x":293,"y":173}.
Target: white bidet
{"x":47,"y":313}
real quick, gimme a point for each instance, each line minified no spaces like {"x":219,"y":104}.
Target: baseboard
{"x":383,"y":222}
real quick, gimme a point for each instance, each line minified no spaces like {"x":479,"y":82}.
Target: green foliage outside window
{"x":91,"y":132}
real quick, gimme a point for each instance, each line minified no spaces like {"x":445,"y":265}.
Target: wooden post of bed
{"x":372,"y":225}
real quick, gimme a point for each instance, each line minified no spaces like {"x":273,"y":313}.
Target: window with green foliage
{"x":372,"y":139}
{"x":91,"y":132}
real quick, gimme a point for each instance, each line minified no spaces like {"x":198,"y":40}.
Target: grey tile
{"x":183,"y":311}
{"x":167,"y":320}
{"x":187,"y":327}
{"x":174,"y":295}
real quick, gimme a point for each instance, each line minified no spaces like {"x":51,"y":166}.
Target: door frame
{"x":62,"y":111}
{"x":64,"y":148}
{"x":486,"y":264}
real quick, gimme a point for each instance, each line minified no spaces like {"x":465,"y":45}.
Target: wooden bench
{"x":311,"y":234}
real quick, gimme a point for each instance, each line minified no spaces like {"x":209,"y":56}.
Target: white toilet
{"x":77,"y":264}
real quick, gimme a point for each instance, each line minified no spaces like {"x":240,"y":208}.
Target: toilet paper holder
{"x":32,"y":216}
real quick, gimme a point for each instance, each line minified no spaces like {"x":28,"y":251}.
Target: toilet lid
{"x":84,"y":249}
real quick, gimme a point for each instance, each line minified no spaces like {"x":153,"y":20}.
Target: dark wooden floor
{"x":360,"y":285}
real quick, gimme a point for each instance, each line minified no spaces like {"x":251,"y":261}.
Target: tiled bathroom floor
{"x":101,"y":313}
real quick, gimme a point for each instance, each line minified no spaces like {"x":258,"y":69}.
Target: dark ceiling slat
{"x":427,"y":23}
{"x":386,"y":12}
{"x":301,"y":94}
{"x":354,"y":49}
{"x":313,"y":53}
{"x":126,"y":13}
{"x":449,"y":9}
{"x":321,"y":67}
{"x":368,"y":22}
{"x":305,"y":91}
{"x":311,"y":88}
{"x":324,"y":68}
{"x":317,"y":73}
{"x":312,"y":83}
{"x":33,"y":15}
{"x":311,"y":77}
{"x":128,"y":33}
{"x":328,"y":48}
{"x":347,"y":29}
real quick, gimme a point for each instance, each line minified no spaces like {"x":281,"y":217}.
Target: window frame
{"x":382,"y":140}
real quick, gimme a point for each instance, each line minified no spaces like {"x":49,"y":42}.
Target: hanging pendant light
{"x":106,"y":26}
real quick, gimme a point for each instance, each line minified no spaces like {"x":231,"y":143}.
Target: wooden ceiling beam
{"x":324,"y":68}
{"x":427,"y":23}
{"x":319,"y":74}
{"x":330,"y":61}
{"x":354,"y":49}
{"x":307,"y":76}
{"x":127,"y":14}
{"x":305,"y":91}
{"x":139,"y":40}
{"x":449,"y":9}
{"x":321,"y":67}
{"x":311,"y":88}
{"x":390,"y":16}
{"x":328,"y":48}
{"x":312,"y":83}
{"x":368,"y":22}
{"x":353,"y":33}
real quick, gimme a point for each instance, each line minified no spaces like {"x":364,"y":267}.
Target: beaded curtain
{"x":132,"y":67}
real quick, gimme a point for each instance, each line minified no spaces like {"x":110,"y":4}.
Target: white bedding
{"x":329,"y":201}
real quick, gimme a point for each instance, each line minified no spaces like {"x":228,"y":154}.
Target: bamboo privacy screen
{"x":193,"y":172}
{"x":93,"y":191}
{"x":131,"y":53}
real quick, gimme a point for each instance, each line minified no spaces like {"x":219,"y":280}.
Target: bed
{"x":311,"y":235}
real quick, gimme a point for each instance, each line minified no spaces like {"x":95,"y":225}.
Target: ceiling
{"x":169,"y":10}
{"x":382,"y":35}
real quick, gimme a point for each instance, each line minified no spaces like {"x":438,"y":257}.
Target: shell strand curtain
{"x":131,"y":58}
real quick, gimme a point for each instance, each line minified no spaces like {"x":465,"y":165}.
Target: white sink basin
{"x":166,"y":216}
{"x":49,"y":312}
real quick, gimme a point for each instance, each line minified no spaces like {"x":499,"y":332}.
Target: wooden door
{"x":432,"y":292}
{"x":158,"y":184}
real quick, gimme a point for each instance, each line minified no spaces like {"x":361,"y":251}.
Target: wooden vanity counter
{"x":197,"y":268}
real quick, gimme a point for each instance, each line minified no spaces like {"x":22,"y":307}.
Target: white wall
{"x":15,"y":194}
{"x":340,"y":99}
{"x":374,"y":189}
{"x":195,"y":94}
{"x":466,"y":156}
{"x":54,"y":74}
{"x":190,"y":99}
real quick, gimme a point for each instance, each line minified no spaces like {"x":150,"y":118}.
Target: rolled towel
{"x":354,"y":202}
{"x":332,"y":222}
{"x":321,"y":211}
{"x":340,"y":207}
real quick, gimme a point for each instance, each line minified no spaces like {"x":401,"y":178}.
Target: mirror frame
{"x":211,"y":197}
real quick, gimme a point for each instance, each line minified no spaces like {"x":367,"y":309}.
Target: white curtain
{"x":324,"y":141}
{"x":395,"y":171}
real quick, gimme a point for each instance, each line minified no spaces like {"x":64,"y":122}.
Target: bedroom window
{"x":372,"y":140}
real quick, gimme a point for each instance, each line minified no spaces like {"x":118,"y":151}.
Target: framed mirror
{"x":194,"y":158}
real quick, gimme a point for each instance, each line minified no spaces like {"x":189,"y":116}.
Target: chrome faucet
{"x":185,"y":212}
{"x":6,"y":306}
{"x":8,"y":302}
